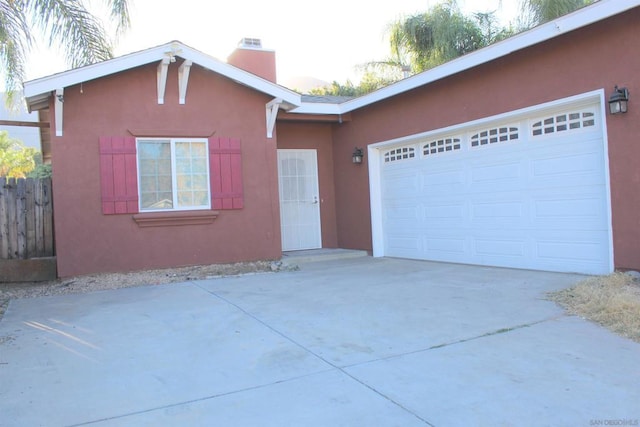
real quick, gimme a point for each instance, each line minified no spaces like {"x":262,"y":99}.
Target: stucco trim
{"x":167,"y":219}
{"x":175,"y":133}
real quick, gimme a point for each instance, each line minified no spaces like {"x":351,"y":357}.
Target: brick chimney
{"x":251,"y":57}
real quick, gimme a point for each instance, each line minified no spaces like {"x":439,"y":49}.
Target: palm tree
{"x":426,"y":40}
{"x":535,"y":12}
{"x":443,"y":33}
{"x":66,"y":23}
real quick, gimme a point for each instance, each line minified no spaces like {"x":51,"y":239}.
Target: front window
{"x":173,"y":174}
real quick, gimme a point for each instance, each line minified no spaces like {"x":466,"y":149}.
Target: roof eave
{"x":36,"y":89}
{"x":598,"y":11}
{"x":37,"y":102}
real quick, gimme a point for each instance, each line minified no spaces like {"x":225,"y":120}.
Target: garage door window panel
{"x":565,"y":122}
{"x":444,"y":145}
{"x":398,"y":154}
{"x":495,"y":135}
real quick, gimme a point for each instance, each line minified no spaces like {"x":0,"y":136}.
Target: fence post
{"x":39,"y":226}
{"x":47,"y":212}
{"x":21,"y":219}
{"x":12,"y":220}
{"x":30,"y":218}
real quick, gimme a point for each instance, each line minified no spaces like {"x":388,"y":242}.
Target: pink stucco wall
{"x":593,"y":58}
{"x":88,"y":241}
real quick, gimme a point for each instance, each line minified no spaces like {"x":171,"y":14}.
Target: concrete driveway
{"x":355,"y":342}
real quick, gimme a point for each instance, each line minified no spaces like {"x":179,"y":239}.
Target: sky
{"x":325,"y":39}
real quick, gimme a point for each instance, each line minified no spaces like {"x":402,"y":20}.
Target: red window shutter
{"x":225,"y":170}
{"x":118,"y":175}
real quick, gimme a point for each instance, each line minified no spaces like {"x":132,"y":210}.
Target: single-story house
{"x":508,"y":156}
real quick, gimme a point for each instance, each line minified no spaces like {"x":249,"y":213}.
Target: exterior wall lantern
{"x":618,"y":100}
{"x":357,"y":156}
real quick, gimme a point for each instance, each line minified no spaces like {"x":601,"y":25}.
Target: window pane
{"x":151,"y":149}
{"x":199,"y":182}
{"x":147,"y":199}
{"x":200,"y":198}
{"x":183,"y":182}
{"x":183,"y":150}
{"x":185,"y":198}
{"x":165,"y":201}
{"x":192,"y":178}
{"x":199,"y":149}
{"x":199,"y":166}
{"x":149,"y":183}
{"x":183,"y":166}
{"x":164,"y":182}
{"x":155,"y":175}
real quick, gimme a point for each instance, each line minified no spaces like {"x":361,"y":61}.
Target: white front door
{"x":299,"y":199}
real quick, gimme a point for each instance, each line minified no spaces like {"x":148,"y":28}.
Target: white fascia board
{"x":596,"y":12}
{"x":90,"y":72}
{"x":64,"y":79}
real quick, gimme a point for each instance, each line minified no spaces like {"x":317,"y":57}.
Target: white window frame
{"x":174,"y":179}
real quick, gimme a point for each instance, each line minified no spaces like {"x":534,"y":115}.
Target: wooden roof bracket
{"x":163,"y":70}
{"x":272,"y":112}
{"x":183,"y":80}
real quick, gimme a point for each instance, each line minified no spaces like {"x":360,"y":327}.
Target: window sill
{"x":169,"y":219}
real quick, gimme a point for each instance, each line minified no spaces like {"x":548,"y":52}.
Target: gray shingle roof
{"x":326,"y":99}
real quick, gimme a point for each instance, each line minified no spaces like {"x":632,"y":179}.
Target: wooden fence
{"x":26,"y":218}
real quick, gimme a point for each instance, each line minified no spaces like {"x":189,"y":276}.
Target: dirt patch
{"x":100,"y":282}
{"x":613,"y":301}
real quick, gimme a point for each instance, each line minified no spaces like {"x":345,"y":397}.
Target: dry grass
{"x":613,"y":301}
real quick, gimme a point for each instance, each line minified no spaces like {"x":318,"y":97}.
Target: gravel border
{"x":107,"y":281}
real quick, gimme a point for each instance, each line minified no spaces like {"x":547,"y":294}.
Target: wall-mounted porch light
{"x":618,"y":100}
{"x":357,"y":156}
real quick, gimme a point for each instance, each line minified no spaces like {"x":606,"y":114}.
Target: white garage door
{"x":525,"y":193}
